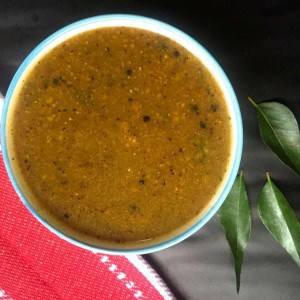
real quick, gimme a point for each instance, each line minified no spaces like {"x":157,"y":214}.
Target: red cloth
{"x":36,"y":264}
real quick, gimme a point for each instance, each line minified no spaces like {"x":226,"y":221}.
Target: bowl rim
{"x":236,"y":155}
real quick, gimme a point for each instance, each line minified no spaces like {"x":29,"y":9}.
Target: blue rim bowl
{"x":194,"y":47}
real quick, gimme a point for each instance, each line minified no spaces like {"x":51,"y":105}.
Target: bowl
{"x":192,"y":46}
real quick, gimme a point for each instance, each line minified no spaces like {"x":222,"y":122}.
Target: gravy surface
{"x":122,"y":133}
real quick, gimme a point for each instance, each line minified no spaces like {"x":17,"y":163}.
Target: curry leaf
{"x":280,"y":132}
{"x":280,"y":219}
{"x":235,"y":218}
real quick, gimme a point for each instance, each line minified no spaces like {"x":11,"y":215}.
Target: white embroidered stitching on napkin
{"x":152,"y":276}
{"x":122,"y":277}
{"x":3,"y":295}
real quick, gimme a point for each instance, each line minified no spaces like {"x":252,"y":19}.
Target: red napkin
{"x":36,"y":264}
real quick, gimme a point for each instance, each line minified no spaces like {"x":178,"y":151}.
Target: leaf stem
{"x":252,"y":101}
{"x":268,"y":176}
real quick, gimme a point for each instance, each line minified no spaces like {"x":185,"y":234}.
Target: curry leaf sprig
{"x":235,"y":218}
{"x":280,"y":219}
{"x":280,"y":132}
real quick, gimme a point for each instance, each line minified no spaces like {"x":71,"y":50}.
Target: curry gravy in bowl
{"x":119,"y":136}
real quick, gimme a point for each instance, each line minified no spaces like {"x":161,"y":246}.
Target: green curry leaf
{"x":235,"y":218}
{"x":280,"y":219}
{"x":280,"y":132}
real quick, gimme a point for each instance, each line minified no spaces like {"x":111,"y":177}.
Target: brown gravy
{"x":121,"y":133}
